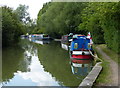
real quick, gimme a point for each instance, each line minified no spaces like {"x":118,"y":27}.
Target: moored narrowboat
{"x":80,"y":48}
{"x":40,"y":36}
{"x":66,"y":39}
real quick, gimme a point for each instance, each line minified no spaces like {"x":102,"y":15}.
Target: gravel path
{"x":113,"y":68}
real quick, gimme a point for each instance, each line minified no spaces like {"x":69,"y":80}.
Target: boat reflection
{"x":65,"y":46}
{"x":42,"y":42}
{"x":82,"y":67}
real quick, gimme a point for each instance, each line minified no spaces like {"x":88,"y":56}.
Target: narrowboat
{"x":66,"y":39}
{"x":24,"y":36}
{"x":81,"y":48}
{"x":40,"y":36}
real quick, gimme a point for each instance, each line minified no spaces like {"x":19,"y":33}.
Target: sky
{"x":34,"y":5}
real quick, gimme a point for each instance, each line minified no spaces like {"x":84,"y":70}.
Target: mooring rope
{"x":95,"y":56}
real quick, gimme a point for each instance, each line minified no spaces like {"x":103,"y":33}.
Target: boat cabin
{"x":80,"y":42}
{"x":40,"y":36}
{"x":66,"y":38}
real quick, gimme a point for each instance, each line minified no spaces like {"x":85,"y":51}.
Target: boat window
{"x":76,"y":45}
{"x":89,"y":45}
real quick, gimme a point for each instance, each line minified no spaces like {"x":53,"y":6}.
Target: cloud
{"x":34,"y":6}
{"x":38,"y":75}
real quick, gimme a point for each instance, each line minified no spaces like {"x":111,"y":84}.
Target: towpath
{"x":113,"y":68}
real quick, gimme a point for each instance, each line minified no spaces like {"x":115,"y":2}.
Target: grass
{"x":103,"y":78}
{"x":110,"y":53}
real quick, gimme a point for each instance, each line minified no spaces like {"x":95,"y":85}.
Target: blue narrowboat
{"x":80,"y":48}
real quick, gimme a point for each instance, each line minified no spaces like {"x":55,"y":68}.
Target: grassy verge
{"x":103,"y":78}
{"x":110,"y":53}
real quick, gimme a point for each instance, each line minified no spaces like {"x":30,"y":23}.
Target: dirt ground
{"x":113,"y":68}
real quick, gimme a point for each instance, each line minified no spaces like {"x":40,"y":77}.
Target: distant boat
{"x":80,"y":48}
{"x":40,"y":36}
{"x":24,"y":36}
{"x":42,"y":42}
{"x":66,"y":39}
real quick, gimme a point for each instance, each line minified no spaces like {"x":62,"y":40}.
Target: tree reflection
{"x":16,"y":59}
{"x":56,"y":61}
{"x":11,"y":58}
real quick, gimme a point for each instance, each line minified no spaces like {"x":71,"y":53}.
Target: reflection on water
{"x":28,"y":72}
{"x":11,"y":62}
{"x":37,"y":74}
{"x":64,"y":46}
{"x":42,"y":42}
{"x":0,"y":84}
{"x":36,"y":65}
{"x":82,"y":68}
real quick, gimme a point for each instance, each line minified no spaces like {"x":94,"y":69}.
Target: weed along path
{"x":113,"y":68}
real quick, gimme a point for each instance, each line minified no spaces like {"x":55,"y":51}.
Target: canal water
{"x":41,"y":64}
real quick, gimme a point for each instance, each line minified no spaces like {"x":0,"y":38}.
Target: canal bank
{"x":92,"y":76}
{"x":89,"y":80}
{"x":109,"y":74}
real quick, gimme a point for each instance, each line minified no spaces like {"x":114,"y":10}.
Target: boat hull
{"x":82,"y":56}
{"x":81,"y":61}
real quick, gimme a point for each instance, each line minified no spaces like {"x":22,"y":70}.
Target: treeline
{"x":11,"y":27}
{"x":101,"y":19}
{"x":15,"y":23}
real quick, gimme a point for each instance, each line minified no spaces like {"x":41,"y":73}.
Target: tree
{"x":11,"y":27}
{"x":22,"y":13}
{"x":24,"y":18}
{"x":100,"y":18}
{"x":57,"y":19}
{"x":103,"y":19}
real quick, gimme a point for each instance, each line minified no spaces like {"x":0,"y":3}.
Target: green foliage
{"x":11,"y":27}
{"x":24,"y":17}
{"x":100,"y":18}
{"x":57,"y":19}
{"x":15,"y":23}
{"x":22,"y":13}
{"x":31,"y":26}
{"x":111,"y":26}
{"x":91,"y":21}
